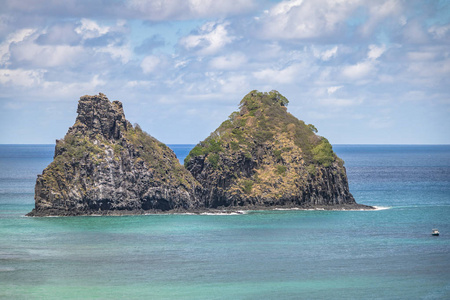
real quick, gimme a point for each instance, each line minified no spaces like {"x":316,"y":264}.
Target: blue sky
{"x":363,"y":72}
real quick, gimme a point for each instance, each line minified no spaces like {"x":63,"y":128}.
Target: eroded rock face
{"x":262,"y":156}
{"x":105,"y":165}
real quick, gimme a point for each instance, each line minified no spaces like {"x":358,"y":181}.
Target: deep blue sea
{"x":383,"y":254}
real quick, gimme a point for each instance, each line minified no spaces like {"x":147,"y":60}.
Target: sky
{"x":361,"y":71}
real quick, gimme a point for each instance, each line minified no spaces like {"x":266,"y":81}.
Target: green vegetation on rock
{"x":323,"y":153}
{"x":262,"y":152}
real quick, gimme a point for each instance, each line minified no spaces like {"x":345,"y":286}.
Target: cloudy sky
{"x":361,"y":71}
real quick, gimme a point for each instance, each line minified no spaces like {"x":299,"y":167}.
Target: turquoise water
{"x":383,"y":254}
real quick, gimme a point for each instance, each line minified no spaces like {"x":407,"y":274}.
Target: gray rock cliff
{"x":104,"y":165}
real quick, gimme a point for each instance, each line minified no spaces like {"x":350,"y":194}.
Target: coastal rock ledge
{"x":262,"y":157}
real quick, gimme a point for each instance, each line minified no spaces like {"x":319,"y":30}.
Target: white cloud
{"x":325,"y":55}
{"x":336,"y":102}
{"x":158,"y":10}
{"x":439,"y":32}
{"x":328,"y":54}
{"x":15,"y":37}
{"x":89,"y":29}
{"x":234,"y":84}
{"x":211,"y":38}
{"x":421,"y":55}
{"x":375,"y":51}
{"x":333,"y":89}
{"x":430,"y":70}
{"x":20,"y":77}
{"x":306,"y":19}
{"x":123,"y":53}
{"x":62,"y":89}
{"x":228,"y":62}
{"x":150,"y":63}
{"x":46,"y":55}
{"x":286,"y":75}
{"x":359,"y":70}
{"x":366,"y":67}
{"x":138,"y":83}
{"x":379,"y":11}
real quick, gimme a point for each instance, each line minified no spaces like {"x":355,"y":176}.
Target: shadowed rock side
{"x":263,"y":156}
{"x":104,"y":165}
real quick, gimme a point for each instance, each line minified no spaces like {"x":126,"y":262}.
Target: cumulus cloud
{"x":89,"y":29}
{"x":60,"y":34}
{"x":306,"y":19}
{"x":13,"y":38}
{"x":211,"y":37}
{"x":322,"y":54}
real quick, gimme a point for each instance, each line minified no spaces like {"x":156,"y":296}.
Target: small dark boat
{"x":435,"y":232}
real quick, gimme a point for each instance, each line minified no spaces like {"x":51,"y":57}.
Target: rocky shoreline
{"x":200,"y":211}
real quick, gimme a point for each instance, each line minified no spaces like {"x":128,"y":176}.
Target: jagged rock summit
{"x":104,"y":165}
{"x":264,"y":157}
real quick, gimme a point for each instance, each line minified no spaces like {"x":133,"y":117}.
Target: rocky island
{"x":262,"y":157}
{"x":104,"y":165}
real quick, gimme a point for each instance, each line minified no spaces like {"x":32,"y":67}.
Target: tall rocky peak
{"x":104,"y":165}
{"x":97,"y":115}
{"x":263,"y":156}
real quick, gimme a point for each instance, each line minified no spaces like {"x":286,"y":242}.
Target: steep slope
{"x":104,"y":165}
{"x":263,"y":156}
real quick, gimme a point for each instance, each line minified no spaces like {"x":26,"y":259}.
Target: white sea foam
{"x":225,"y":213}
{"x":382,"y":207}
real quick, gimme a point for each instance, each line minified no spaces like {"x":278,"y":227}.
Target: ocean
{"x":283,"y":254}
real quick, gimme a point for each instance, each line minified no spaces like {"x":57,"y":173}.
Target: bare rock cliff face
{"x":104,"y":165}
{"x":264,"y":157}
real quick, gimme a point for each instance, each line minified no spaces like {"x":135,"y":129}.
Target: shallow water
{"x":282,"y":254}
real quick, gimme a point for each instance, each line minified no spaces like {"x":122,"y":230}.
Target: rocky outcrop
{"x":104,"y":165}
{"x":264,"y":157}
{"x":261,"y":157}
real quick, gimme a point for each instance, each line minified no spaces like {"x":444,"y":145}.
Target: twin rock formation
{"x":261,"y":157}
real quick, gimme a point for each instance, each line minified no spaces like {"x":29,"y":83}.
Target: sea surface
{"x":285,"y":254}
